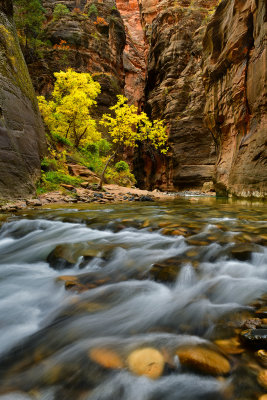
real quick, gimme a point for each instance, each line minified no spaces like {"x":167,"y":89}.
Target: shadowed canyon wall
{"x":22,"y":139}
{"x":235,"y":77}
{"x":174,"y":91}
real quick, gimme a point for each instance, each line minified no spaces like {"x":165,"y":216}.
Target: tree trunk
{"x":104,"y":170}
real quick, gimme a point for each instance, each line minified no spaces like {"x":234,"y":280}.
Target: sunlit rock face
{"x":93,"y":42}
{"x":235,"y":75}
{"x":22,"y":139}
{"x":135,"y":51}
{"x":174,"y":91}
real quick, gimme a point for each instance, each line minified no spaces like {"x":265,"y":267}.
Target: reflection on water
{"x":84,"y":288}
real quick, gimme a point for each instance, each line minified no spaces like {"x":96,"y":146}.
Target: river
{"x":84,"y":288}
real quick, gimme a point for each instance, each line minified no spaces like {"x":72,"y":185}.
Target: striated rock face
{"x":174,"y":92}
{"x":235,"y":76}
{"x":135,"y":51}
{"x":22,"y":139}
{"x":94,"y":42}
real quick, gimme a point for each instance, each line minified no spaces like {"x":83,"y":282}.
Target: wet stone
{"x":107,"y":358}
{"x":252,"y":323}
{"x":230,"y":346}
{"x":146,"y":198}
{"x":204,"y":360}
{"x":254,"y":338}
{"x":67,"y":255}
{"x":147,"y":361}
{"x":166,"y":271}
{"x":243,"y":252}
{"x":262,"y":357}
{"x":262,"y":378}
{"x":262,"y":312}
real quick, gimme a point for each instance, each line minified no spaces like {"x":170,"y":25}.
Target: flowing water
{"x":167,"y":276}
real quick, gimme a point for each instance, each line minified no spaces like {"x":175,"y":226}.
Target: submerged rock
{"x":203,"y":360}
{"x":230,"y":346}
{"x":106,"y":357}
{"x":168,"y":270}
{"x":67,"y":255}
{"x":262,"y":312}
{"x":255,"y":338}
{"x":147,"y":361}
{"x":262,"y":356}
{"x":243,"y":252}
{"x":262,"y":378}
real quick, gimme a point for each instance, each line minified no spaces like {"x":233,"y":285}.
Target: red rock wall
{"x":235,"y":76}
{"x":135,"y":51}
{"x":174,"y":91}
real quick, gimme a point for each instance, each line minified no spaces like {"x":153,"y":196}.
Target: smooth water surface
{"x":161,"y":275}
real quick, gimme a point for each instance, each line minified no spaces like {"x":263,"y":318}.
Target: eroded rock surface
{"x":174,"y":92}
{"x":22,"y":139}
{"x":235,"y":76}
{"x":93,"y":42}
{"x":135,"y":51}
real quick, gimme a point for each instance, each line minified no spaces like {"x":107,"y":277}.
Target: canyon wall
{"x":22,"y":138}
{"x":135,"y":52}
{"x":213,"y":99}
{"x":174,"y":92}
{"x":90,"y":38}
{"x":235,"y":77}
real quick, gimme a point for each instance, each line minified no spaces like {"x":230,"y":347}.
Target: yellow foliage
{"x":68,"y":113}
{"x":128,"y":127}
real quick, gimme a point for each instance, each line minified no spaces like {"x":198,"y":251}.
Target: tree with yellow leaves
{"x":68,"y":113}
{"x":127,"y":128}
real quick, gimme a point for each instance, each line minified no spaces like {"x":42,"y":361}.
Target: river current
{"x":82,"y":287}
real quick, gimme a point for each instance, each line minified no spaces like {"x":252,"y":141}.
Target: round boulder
{"x":204,"y":360}
{"x":147,"y":361}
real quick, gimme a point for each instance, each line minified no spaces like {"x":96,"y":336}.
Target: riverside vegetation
{"x":74,"y":135}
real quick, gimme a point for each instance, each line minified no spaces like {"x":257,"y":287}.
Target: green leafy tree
{"x":68,"y":113}
{"x":60,"y":10}
{"x":127,"y":128}
{"x":29,"y":16}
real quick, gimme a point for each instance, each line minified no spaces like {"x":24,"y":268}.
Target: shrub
{"x":60,"y":139}
{"x":104,"y":147}
{"x":92,"y":148}
{"x":92,"y":10}
{"x":123,"y":178}
{"x":57,"y":177}
{"x":121,"y":166}
{"x":60,"y":10}
{"x":49,"y":164}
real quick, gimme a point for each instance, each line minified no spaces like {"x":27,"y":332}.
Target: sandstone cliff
{"x":174,"y":91}
{"x":22,"y":139}
{"x":135,"y":51}
{"x":94,"y":39}
{"x":235,"y":76}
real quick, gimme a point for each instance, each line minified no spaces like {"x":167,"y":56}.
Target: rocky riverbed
{"x":110,"y":194}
